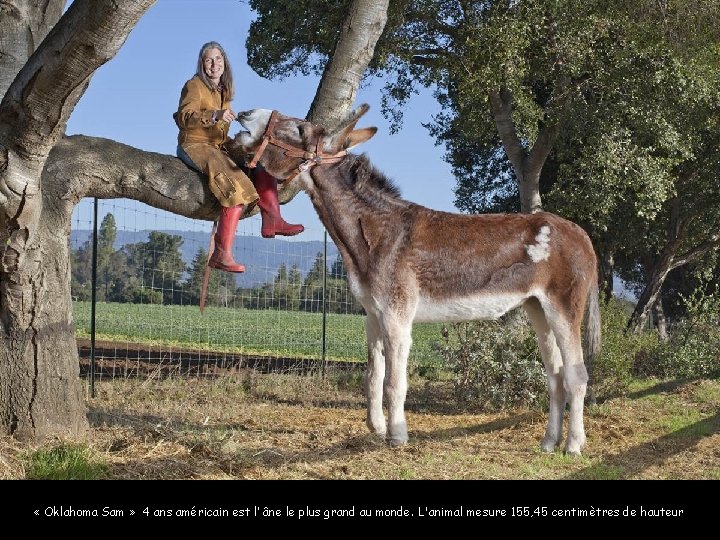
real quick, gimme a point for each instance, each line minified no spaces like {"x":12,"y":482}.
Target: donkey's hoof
{"x":394,"y":442}
{"x":378,"y":435}
{"x":574,"y":447}
{"x":548,"y":445}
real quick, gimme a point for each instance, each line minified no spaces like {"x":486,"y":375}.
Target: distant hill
{"x":261,"y":257}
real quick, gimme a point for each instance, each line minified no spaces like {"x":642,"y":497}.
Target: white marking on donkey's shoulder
{"x":541,"y":250}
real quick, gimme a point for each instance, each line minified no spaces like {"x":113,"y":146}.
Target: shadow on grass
{"x":630,"y":463}
{"x":664,"y":387}
{"x":498,"y":424}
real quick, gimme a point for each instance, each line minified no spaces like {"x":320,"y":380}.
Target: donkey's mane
{"x":366,"y":181}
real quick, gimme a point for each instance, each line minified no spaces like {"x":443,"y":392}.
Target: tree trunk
{"x":660,"y":320}
{"x":40,"y":389}
{"x":607,"y":270}
{"x":649,"y":296}
{"x":23,"y":25}
{"x":354,"y":49}
{"x":526,"y":165}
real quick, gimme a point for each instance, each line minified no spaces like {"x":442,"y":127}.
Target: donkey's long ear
{"x":337,"y":139}
{"x":358,"y":136}
{"x":353,"y":117}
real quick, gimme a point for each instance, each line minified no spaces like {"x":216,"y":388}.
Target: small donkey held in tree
{"x":408,"y":263}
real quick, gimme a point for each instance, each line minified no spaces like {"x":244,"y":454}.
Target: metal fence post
{"x":93,"y":299}
{"x":324,"y":305}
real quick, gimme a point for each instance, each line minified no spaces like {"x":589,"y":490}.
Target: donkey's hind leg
{"x":554,"y":371}
{"x":575,"y":378}
{"x":374,"y":377}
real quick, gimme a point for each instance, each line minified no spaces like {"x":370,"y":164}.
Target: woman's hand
{"x":226,"y":115}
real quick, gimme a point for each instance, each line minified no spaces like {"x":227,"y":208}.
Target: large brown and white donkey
{"x":408,"y":263}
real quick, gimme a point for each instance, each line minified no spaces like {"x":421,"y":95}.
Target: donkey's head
{"x":286,"y":146}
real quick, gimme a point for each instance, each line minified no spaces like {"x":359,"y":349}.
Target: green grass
{"x":65,"y":462}
{"x":289,"y":333}
{"x":707,"y":394}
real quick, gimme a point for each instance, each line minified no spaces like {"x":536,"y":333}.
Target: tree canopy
{"x":603,"y":111}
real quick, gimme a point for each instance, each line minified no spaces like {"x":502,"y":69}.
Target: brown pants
{"x":227,"y":181}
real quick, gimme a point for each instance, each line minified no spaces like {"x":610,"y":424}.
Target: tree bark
{"x":23,"y":25}
{"x":660,"y":320}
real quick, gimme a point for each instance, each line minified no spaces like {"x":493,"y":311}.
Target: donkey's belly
{"x":471,"y":308}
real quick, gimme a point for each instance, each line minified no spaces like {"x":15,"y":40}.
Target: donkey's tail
{"x":593,"y":336}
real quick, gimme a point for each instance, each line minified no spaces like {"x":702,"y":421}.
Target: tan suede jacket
{"x":194,"y":114}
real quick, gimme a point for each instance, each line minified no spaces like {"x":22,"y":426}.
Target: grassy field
{"x":285,"y":427}
{"x":265,"y":332}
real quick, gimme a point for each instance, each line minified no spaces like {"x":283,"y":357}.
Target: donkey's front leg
{"x":374,"y":376}
{"x":397,"y":342}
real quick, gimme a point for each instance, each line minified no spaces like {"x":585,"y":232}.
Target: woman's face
{"x":213,"y":64}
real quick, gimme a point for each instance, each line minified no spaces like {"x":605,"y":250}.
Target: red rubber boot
{"x":222,"y":257}
{"x":272,"y":221}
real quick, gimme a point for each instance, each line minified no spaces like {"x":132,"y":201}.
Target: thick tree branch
{"x":81,"y":166}
{"x":697,"y":252}
{"x":543,"y":145}
{"x":40,"y":100}
{"x":501,"y":105}
{"x":549,"y":131}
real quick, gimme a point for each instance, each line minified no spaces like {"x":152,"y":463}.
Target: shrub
{"x":620,"y":352}
{"x":694,"y":346}
{"x":496,"y":364}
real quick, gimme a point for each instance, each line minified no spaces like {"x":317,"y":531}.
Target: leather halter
{"x":318,"y":157}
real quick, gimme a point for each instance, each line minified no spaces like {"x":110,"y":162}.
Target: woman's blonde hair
{"x":226,"y":79}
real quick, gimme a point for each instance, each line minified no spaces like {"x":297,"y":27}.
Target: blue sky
{"x":131,"y":99}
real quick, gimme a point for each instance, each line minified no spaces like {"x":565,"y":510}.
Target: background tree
{"x":81,"y":276}
{"x":280,"y":288}
{"x":643,"y":149}
{"x":312,"y":287}
{"x":294,"y":287}
{"x":339,"y":297}
{"x":107,"y":235}
{"x":158,"y":264}
{"x":221,"y":285}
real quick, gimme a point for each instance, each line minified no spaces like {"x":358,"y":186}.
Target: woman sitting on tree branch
{"x":203,"y":117}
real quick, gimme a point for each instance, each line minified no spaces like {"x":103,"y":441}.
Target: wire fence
{"x":135,"y":286}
